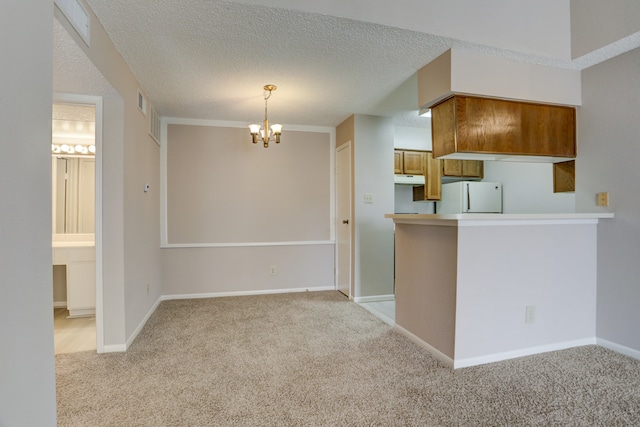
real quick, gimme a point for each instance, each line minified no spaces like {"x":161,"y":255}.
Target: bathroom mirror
{"x":73,"y":168}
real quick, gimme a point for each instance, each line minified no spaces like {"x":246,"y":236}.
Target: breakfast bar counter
{"x":478,"y":288}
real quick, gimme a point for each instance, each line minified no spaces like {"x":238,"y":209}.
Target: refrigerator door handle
{"x":468,"y":199}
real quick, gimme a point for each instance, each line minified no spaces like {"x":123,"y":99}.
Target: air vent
{"x":77,"y":15}
{"x":142,"y":103}
{"x":154,"y":125}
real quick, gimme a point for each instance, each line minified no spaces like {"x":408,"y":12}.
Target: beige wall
{"x":235,"y":209}
{"x":27,"y":377}
{"x":131,"y":219}
{"x":221,"y":188}
{"x":597,"y":23}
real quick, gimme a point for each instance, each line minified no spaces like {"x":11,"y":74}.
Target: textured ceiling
{"x":210,"y":59}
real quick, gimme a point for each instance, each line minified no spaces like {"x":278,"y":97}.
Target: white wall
{"x":504,"y":269}
{"x":528,"y":187}
{"x":27,"y":377}
{"x":410,"y":138}
{"x":373,"y":173}
{"x":608,"y":161}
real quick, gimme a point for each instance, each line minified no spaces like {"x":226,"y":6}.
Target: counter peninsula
{"x":478,"y":288}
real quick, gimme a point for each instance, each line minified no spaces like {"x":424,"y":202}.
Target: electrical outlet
{"x":530,"y":314}
{"x":272,"y":270}
{"x":602,"y":199}
{"x":368,"y":197}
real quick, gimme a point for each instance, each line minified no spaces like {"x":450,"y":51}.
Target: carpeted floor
{"x":316,"y":359}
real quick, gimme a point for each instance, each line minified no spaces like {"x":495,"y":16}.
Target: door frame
{"x":95,"y":101}
{"x":338,"y":221}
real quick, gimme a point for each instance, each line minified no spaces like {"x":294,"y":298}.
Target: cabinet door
{"x":564,"y":177}
{"x":473,"y":168}
{"x":451,"y":167}
{"x":466,"y":124}
{"x":499,"y":126}
{"x":414,"y":162}
{"x":432,"y":188}
{"x":398,"y":164}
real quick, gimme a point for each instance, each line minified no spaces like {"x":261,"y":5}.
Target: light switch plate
{"x":368,"y":197}
{"x":602,"y":199}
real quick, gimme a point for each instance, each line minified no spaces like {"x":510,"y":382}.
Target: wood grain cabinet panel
{"x":462,"y":168}
{"x":564,"y":177}
{"x":398,"y":164}
{"x":414,"y":162}
{"x":432,"y":190}
{"x":408,"y":162}
{"x":465,"y":124}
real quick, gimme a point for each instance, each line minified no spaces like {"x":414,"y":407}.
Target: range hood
{"x":409,"y":179}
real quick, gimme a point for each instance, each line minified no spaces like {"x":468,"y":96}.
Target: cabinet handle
{"x":345,"y":221}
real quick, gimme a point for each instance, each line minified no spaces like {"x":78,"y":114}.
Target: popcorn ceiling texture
{"x":210,"y":59}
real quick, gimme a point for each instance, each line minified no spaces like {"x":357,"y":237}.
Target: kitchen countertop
{"x":469,"y":219}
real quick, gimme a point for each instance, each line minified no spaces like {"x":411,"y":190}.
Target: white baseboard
{"x":59,"y":304}
{"x":627,"y":351}
{"x":142,"y":323}
{"x":245,"y":293}
{"x":375,"y":298}
{"x":115,"y":348}
{"x":497,"y":357}
{"x":434,"y":351}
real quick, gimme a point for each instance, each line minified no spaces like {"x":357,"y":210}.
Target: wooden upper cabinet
{"x":409,"y":162}
{"x":398,"y":163}
{"x":465,"y":124}
{"x":462,"y":168}
{"x":414,"y":162}
{"x":432,"y":190}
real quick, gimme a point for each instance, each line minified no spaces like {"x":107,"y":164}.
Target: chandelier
{"x":266,"y":134}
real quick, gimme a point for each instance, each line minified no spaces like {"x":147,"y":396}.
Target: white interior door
{"x":343,"y":219}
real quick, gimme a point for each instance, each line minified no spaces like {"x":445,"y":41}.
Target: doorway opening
{"x":77,"y":222}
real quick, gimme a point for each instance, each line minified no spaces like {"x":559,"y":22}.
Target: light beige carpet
{"x":316,"y":359}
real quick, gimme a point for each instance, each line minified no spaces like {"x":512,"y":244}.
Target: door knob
{"x":345,"y":221}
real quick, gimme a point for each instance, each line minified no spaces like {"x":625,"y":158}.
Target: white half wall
{"x":504,"y":269}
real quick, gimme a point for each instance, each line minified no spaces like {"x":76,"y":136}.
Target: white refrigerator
{"x":470,"y":197}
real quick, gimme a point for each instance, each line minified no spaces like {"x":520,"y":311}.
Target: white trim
{"x":627,"y":351}
{"x":141,"y":325}
{"x":245,"y":244}
{"x":246,"y":293}
{"x":434,"y":351}
{"x":497,"y":357}
{"x":59,"y":304}
{"x":375,"y":298}
{"x":235,"y":124}
{"x":115,"y":348}
{"x":71,"y":98}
